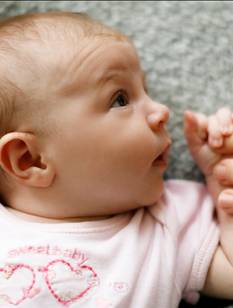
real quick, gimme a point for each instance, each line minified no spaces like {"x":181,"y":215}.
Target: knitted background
{"x":186,"y":52}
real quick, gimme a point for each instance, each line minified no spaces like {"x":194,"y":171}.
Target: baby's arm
{"x":223,"y":172}
{"x":219,"y":281}
{"x":210,"y":156}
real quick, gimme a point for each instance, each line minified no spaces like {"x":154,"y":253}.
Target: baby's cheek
{"x":141,"y":150}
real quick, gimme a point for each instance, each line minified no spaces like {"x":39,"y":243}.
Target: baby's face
{"x":109,"y":157}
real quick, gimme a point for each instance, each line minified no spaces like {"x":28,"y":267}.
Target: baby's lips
{"x":162,"y":158}
{"x":166,"y":153}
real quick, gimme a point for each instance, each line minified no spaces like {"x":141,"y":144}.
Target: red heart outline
{"x":10,"y":270}
{"x":73,"y":270}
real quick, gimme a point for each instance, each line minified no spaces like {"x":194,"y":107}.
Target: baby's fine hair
{"x":20,"y":38}
{"x":31,"y":45}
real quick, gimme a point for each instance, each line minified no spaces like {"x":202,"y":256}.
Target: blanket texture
{"x":186,"y":52}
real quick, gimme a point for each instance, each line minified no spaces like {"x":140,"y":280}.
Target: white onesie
{"x":148,"y":258}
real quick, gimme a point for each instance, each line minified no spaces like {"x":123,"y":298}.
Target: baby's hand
{"x":223,"y":172}
{"x":220,"y":131}
{"x":210,"y":141}
{"x":209,"y":138}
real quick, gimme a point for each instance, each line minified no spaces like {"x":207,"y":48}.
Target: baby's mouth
{"x":162,"y":158}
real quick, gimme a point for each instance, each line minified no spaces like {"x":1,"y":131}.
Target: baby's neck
{"x":34,"y":218}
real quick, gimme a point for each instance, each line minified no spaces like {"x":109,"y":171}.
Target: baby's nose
{"x":158,"y":116}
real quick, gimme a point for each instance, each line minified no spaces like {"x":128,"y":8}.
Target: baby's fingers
{"x":224,"y":116}
{"x":227,"y":147}
{"x":225,"y":201}
{"x":195,"y":127}
{"x":215,"y":138}
{"x":223,"y":172}
{"x":220,"y":125}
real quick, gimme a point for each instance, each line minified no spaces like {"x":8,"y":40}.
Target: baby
{"x":87,"y":220}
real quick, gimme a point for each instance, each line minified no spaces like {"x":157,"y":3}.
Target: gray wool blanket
{"x":187,"y":54}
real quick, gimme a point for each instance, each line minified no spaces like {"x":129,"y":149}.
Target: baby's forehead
{"x":99,"y":60}
{"x":65,"y":53}
{"x":54,"y":36}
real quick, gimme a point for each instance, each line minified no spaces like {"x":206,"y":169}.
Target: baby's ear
{"x":23,"y":161}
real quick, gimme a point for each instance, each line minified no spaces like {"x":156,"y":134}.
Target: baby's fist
{"x":209,"y":138}
{"x":220,"y":131}
{"x":196,"y":133}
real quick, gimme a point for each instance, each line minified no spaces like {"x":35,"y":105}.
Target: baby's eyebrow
{"x":114,"y":73}
{"x":106,"y":76}
{"x":110,"y":73}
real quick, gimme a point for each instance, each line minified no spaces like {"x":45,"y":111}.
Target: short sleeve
{"x":188,"y":214}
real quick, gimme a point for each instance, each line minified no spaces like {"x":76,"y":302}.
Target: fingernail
{"x":220,"y":171}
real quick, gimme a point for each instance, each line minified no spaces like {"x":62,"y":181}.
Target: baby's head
{"x":79,"y":134}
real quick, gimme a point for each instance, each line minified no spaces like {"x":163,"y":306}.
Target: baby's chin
{"x":155,"y":194}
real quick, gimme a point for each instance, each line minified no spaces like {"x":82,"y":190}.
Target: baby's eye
{"x":121,"y":99}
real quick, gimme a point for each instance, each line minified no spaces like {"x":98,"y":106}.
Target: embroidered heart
{"x":68,"y":284}
{"x":17,"y":279}
{"x":34,"y":292}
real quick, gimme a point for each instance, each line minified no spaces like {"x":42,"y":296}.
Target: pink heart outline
{"x":73,"y":270}
{"x":10,"y":270}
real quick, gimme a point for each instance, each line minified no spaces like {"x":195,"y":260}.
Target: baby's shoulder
{"x":186,"y":198}
{"x":183,"y":192}
{"x":176,"y":185}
